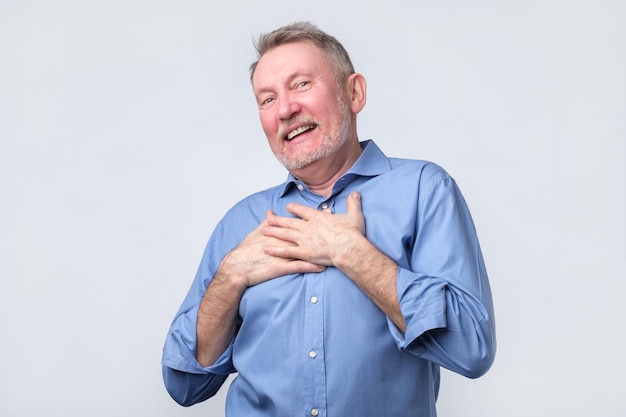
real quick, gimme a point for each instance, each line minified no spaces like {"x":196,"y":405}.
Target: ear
{"x":357,"y":91}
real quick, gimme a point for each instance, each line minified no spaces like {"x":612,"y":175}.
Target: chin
{"x":295,"y":163}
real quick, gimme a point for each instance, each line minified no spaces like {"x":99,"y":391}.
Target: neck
{"x":320,"y":176}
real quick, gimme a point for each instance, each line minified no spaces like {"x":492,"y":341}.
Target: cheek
{"x":269,"y":125}
{"x":270,"y":128}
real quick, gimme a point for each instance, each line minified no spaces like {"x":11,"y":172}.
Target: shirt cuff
{"x":423,"y":305}
{"x":177,"y":355}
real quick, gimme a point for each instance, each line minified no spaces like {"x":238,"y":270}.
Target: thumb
{"x":353,"y":205}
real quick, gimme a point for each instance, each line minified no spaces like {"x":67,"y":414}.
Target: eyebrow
{"x":288,"y":80}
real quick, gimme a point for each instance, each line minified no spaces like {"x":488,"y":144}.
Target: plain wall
{"x":128,"y":128}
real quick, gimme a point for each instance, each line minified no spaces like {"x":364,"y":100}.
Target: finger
{"x":301,"y":211}
{"x":282,"y":233}
{"x":286,"y":252}
{"x":353,"y":204}
{"x":283,"y":222}
{"x":300,"y":267}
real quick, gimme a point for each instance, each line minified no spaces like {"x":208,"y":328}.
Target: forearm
{"x":375,"y":274}
{"x":217,"y":318}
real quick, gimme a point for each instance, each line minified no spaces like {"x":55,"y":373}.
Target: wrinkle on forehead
{"x":283,"y":64}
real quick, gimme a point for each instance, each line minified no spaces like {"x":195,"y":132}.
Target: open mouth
{"x":299,"y":131}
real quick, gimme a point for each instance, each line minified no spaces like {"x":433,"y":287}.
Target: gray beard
{"x":331,"y":142}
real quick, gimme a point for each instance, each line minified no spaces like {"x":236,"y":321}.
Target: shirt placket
{"x":313,"y":355}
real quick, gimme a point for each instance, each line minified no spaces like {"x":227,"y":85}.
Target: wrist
{"x":230,"y":278}
{"x":352,"y":254}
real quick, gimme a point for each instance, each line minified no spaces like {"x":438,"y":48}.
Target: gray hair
{"x":335,"y":53}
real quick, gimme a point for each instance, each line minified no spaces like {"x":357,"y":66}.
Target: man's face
{"x":300,"y":106}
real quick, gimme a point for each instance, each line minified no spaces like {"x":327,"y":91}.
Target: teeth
{"x":297,"y":131}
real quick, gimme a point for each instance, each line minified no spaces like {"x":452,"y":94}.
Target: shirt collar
{"x":371,"y":162}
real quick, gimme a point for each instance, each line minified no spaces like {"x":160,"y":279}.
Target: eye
{"x":266,"y":102}
{"x":302,"y":85}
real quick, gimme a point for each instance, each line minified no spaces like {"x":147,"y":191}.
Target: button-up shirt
{"x":314,"y":344}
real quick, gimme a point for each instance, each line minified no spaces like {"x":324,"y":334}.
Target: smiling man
{"x":342,"y":291}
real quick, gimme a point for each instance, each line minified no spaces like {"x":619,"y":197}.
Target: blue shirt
{"x":314,"y":344}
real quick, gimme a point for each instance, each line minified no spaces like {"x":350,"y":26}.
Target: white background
{"x":128,"y":128}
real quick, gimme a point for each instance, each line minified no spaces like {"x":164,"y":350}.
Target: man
{"x":342,"y":291}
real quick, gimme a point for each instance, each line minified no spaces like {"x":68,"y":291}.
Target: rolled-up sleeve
{"x":444,"y":294}
{"x":185,"y":379}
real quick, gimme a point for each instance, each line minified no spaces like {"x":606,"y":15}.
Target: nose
{"x":287,"y":107}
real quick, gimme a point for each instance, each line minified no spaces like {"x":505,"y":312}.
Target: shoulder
{"x":425,"y":172}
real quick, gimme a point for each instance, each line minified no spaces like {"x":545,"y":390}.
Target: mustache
{"x":284,"y":127}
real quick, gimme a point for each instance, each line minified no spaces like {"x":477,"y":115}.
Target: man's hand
{"x":251,"y":265}
{"x":318,"y":237}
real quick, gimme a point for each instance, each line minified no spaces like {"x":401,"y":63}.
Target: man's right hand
{"x":250,"y":265}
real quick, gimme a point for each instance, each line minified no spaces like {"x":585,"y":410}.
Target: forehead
{"x":287,"y":61}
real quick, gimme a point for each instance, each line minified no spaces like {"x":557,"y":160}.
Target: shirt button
{"x":314,"y":299}
{"x":315,"y":412}
{"x":312,"y":354}
{"x":324,"y":206}
{"x":300,"y":187}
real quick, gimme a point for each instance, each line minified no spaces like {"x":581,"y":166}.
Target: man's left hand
{"x":319,"y":235}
